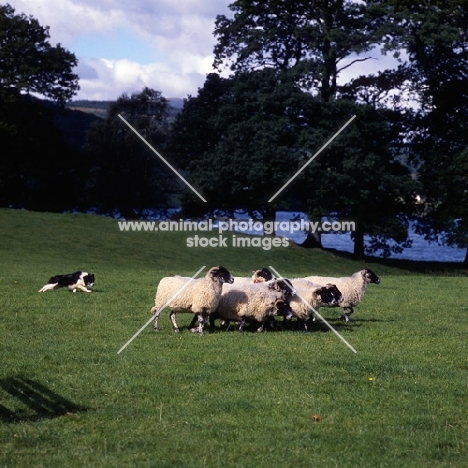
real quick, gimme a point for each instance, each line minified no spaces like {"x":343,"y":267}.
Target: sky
{"x":123,"y":46}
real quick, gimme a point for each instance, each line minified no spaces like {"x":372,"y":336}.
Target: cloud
{"x":123,"y":46}
{"x":105,"y":79}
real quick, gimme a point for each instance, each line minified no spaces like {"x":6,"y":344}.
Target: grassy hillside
{"x":281,"y":398}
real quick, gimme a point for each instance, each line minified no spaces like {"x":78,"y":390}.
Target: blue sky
{"x":115,"y":45}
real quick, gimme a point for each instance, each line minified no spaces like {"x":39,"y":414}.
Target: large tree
{"x":237,"y":140}
{"x":434,"y":35}
{"x":39,"y":169}
{"x":359,"y":177}
{"x":310,"y":44}
{"x":242,"y":138}
{"x":29,"y":63}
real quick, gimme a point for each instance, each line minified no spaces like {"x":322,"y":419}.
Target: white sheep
{"x":308,"y":294}
{"x":252,"y":302}
{"x":200,"y":296}
{"x":262,"y":275}
{"x":352,"y":287}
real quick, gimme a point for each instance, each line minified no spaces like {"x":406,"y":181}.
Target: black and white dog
{"x":73,"y":281}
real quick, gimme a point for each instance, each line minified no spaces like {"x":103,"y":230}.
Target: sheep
{"x":256,"y":302}
{"x":310,"y":294}
{"x":352,"y":287}
{"x":200,"y":296}
{"x":262,"y":275}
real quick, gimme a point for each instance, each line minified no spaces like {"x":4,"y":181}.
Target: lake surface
{"x":421,"y":250}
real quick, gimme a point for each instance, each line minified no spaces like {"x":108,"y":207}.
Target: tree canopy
{"x":243,"y":137}
{"x":314,"y":41}
{"x":29,"y":63}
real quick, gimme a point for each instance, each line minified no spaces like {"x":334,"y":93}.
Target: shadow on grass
{"x":38,"y":401}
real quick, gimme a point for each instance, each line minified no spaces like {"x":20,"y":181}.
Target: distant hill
{"x":99,"y":108}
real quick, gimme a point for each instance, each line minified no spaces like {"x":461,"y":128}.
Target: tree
{"x":358,"y":178}
{"x":242,"y":138}
{"x":314,"y":41}
{"x":237,"y":140}
{"x":39,"y":169}
{"x":126,"y":177}
{"x":28,"y":63}
{"x":435,"y":38}
{"x":310,"y":44}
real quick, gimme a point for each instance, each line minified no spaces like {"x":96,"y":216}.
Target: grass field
{"x":276,"y":399}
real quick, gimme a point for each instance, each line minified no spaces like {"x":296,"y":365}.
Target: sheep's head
{"x":260,"y":276}
{"x":325,"y":295}
{"x":284,"y":286}
{"x":335,"y":292}
{"x":369,"y":276}
{"x":221,"y":274}
{"x":283,"y":308}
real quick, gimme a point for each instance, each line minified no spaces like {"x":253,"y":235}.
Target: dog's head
{"x":88,"y":280}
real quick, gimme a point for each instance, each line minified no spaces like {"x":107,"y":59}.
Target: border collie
{"x":73,"y":281}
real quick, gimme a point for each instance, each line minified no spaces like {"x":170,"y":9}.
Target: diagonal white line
{"x":311,"y":159}
{"x":162,"y":159}
{"x":165,"y":305}
{"x":319,"y":316}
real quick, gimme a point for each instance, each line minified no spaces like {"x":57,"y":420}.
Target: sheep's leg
{"x":346,"y":314}
{"x":156,"y":313}
{"x":173,"y":320}
{"x":241,"y":325}
{"x":213,"y":318}
{"x":193,"y":322}
{"x":302,"y":325}
{"x":201,"y":323}
{"x":261,"y":327}
{"x":201,"y":318}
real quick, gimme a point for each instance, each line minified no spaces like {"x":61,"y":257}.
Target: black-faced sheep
{"x":253,"y":302}
{"x":261,"y":275}
{"x":308,"y":294}
{"x":200,"y":296}
{"x":352,"y":287}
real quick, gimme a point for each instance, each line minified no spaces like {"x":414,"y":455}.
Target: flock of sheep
{"x":219,"y":295}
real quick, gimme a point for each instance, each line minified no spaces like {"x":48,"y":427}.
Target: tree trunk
{"x":358,"y":237}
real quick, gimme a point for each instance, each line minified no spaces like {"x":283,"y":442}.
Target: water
{"x":421,"y":250}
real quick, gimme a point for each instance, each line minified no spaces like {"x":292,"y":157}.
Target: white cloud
{"x":108,"y":79}
{"x":178,"y":38}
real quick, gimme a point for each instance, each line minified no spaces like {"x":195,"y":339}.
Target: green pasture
{"x":283,"y":398}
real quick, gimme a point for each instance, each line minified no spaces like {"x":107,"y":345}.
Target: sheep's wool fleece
{"x":201,"y":295}
{"x":253,"y":301}
{"x":299,"y":307}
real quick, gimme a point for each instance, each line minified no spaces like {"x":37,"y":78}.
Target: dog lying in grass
{"x":73,"y":281}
